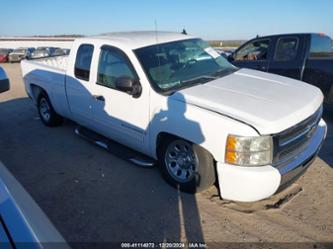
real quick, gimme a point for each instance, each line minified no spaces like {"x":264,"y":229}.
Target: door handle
{"x":99,"y":97}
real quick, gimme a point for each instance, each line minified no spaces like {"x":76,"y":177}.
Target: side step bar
{"x":115,"y":148}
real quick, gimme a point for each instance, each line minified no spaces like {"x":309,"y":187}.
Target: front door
{"x":117,"y":114}
{"x":254,"y":55}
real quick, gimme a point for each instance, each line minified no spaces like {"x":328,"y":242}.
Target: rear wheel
{"x":46,"y":112}
{"x":186,"y":165}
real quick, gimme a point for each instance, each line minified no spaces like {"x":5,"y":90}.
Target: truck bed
{"x":50,"y":75}
{"x":57,"y":63}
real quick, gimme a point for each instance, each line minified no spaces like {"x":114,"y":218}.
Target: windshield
{"x":41,"y":50}
{"x":321,"y":46}
{"x":176,"y":65}
{"x":3,"y":51}
{"x":20,"y":50}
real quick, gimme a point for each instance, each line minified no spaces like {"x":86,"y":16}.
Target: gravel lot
{"x":93,"y":196}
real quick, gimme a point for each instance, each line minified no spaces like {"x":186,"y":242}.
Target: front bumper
{"x":248,"y":184}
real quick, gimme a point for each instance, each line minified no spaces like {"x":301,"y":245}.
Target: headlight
{"x":249,"y":151}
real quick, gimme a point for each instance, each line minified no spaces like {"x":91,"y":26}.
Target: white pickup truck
{"x":175,"y":99}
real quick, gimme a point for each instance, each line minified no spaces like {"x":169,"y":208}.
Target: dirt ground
{"x":93,"y":196}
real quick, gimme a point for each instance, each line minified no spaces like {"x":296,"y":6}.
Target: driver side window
{"x":254,"y":51}
{"x":112,"y":65}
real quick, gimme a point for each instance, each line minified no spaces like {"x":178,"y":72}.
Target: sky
{"x":210,"y":19}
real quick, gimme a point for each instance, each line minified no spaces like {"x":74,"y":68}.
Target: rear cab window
{"x":83,"y":61}
{"x":286,"y":49}
{"x":321,"y":47}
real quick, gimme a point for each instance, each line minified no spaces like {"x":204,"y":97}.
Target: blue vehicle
{"x":4,"y":81}
{"x":307,"y":57}
{"x":22,"y":223}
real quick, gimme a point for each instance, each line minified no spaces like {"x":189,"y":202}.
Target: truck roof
{"x":292,"y":34}
{"x":138,"y":39}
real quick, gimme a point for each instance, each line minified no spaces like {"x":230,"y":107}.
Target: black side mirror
{"x":231,"y":57}
{"x":256,"y":44}
{"x":128,"y":85}
{"x":4,"y":81}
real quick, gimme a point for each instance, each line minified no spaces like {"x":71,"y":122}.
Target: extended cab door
{"x":117,"y":114}
{"x":78,"y":85}
{"x":255,"y":55}
{"x":288,"y":57}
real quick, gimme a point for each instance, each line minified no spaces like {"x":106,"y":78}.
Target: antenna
{"x":156,"y":33}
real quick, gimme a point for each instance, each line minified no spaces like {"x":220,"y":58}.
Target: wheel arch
{"x":35,"y":91}
{"x":163,"y":135}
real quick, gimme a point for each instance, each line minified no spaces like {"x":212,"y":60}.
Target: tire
{"x":46,"y":112}
{"x":192,"y":179}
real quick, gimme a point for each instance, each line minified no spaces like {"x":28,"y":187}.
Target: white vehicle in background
{"x":175,"y":99}
{"x":20,"y":54}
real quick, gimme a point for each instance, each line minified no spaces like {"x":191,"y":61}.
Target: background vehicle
{"x":181,"y":103}
{"x":221,"y":52}
{"x":42,"y":52}
{"x":66,"y":51}
{"x":224,"y":52}
{"x":19,"y":54}
{"x":4,"y":52}
{"x":4,"y":81}
{"x":58,"y":52}
{"x":306,"y":57}
{"x":22,"y":223}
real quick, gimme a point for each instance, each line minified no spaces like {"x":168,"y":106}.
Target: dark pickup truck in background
{"x":306,"y":57}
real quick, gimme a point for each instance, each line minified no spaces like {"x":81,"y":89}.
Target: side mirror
{"x":128,"y":85}
{"x":4,"y":81}
{"x":231,"y":57}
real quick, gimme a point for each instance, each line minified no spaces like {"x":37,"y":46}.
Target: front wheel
{"x":186,"y":165}
{"x":46,"y":112}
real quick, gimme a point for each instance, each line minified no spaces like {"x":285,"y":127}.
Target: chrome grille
{"x":290,"y":142}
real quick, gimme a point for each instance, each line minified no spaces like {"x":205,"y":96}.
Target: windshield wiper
{"x":199,"y":79}
{"x":224,"y":71}
{"x":190,"y":82}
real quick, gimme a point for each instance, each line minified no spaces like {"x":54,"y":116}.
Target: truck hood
{"x":268,"y":102}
